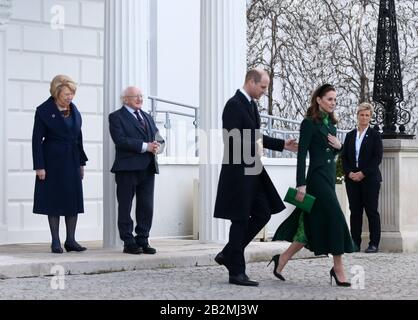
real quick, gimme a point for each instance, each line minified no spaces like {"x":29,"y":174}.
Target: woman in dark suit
{"x":361,"y":157}
{"x":59,"y":160}
{"x":323,"y":230}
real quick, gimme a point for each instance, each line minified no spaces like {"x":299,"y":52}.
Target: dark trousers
{"x":129,"y":184}
{"x":364,"y":195}
{"x":242,"y":232}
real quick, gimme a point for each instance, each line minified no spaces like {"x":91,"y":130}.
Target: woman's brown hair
{"x":313,"y":112}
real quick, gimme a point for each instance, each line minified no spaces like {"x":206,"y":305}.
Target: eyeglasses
{"x":138,"y":96}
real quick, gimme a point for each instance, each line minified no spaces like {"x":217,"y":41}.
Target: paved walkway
{"x":196,"y":276}
{"x":33,"y":260}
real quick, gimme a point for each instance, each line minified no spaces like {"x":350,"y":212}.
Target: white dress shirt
{"x":132,"y":110}
{"x":242,"y":90}
{"x":359,"y":140}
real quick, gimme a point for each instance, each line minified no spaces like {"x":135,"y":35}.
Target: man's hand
{"x":334,"y":142}
{"x":291,"y":145}
{"x":41,"y":174}
{"x":82,"y":172}
{"x":153,"y":147}
{"x":301,"y":193}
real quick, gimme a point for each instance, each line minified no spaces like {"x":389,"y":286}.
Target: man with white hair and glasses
{"x":135,"y":136}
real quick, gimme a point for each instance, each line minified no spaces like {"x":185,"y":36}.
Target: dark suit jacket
{"x":59,"y":151}
{"x":370,"y":157}
{"x":129,"y":136}
{"x":236,"y":189}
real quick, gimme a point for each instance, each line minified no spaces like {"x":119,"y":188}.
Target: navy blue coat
{"x":129,"y":136}
{"x":59,"y":151}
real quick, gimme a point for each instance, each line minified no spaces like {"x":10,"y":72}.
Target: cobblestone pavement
{"x":386,"y":276}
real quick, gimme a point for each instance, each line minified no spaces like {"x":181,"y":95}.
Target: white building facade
{"x":37,"y":49}
{"x":187,"y":51}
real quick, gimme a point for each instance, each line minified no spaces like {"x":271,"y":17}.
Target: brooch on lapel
{"x":53,"y":116}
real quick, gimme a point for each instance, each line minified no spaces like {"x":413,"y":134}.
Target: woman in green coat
{"x":324,"y":230}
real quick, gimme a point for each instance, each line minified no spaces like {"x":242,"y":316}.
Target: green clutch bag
{"x":305,"y":205}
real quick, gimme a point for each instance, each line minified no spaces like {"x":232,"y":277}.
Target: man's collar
{"x":242,"y":90}
{"x":130,"y":109}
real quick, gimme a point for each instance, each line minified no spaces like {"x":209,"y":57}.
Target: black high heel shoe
{"x":340,"y":284}
{"x":56,"y":248}
{"x":276,"y":259}
{"x":74,"y":247}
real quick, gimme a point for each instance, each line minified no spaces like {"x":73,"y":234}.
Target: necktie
{"x":255,"y":110}
{"x":142,"y":122}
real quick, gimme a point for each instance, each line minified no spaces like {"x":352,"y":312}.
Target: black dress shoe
{"x":147,"y":249}
{"x":74,"y":247}
{"x":371,"y":249}
{"x":144,"y":245}
{"x":242,"y":280}
{"x":220,"y":259}
{"x":132,"y":249}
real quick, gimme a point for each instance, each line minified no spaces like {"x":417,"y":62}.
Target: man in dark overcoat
{"x":246,"y":195}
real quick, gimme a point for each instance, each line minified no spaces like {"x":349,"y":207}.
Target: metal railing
{"x":272,"y":126}
{"x":168,"y":118}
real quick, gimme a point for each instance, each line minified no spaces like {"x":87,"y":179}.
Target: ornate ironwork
{"x":388,"y":90}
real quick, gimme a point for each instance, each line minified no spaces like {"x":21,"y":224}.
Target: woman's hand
{"x":356,"y":177}
{"x":82,"y":172}
{"x":301,"y":193}
{"x":334,"y":142}
{"x":41,"y":174}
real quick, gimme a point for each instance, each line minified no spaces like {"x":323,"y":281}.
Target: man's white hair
{"x":125,"y":93}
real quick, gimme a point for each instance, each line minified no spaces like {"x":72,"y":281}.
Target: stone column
{"x":222,"y":71}
{"x":5,"y":13}
{"x":125,"y":64}
{"x":398,"y":203}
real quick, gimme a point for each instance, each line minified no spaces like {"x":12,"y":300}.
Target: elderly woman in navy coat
{"x":59,"y":160}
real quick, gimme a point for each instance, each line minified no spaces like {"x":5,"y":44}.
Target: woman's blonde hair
{"x":59,"y":82}
{"x":365,"y":106}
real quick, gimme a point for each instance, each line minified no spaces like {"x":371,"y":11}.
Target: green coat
{"x":325,"y":226}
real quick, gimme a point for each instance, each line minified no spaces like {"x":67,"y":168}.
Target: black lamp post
{"x":388,"y":90}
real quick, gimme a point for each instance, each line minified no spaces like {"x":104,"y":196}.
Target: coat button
{"x":328,"y":149}
{"x":329,"y":161}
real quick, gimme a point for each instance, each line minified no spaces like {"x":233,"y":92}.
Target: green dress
{"x":323,"y":230}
